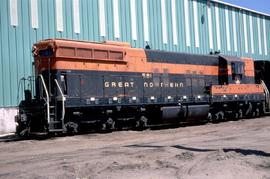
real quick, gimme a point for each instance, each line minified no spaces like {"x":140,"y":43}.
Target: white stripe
{"x":59,"y":15}
{"x":116,"y":18}
{"x":251,"y":33}
{"x":164,"y":22}
{"x":133,"y":19}
{"x":228,"y":34}
{"x":264,"y":35}
{"x":76,"y":16}
{"x":34,"y":14}
{"x":197,"y":39}
{"x":187,"y":27}
{"x":234,"y":31}
{"x":217,"y":27}
{"x":13,"y":12}
{"x":210,"y":30}
{"x":174,"y":23}
{"x":145,"y":20}
{"x":245,"y":32}
{"x":102,"y":19}
{"x":259,"y":34}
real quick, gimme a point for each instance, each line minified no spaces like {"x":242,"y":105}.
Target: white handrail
{"x":266,"y":94}
{"x":48,"y":98}
{"x":63,"y":101}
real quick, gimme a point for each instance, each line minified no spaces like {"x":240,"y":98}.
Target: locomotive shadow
{"x":10,"y":138}
{"x":244,"y":152}
{"x":248,"y":152}
{"x":16,"y":138}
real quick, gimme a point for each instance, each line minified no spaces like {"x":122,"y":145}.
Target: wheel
{"x":236,"y":116}
{"x":253,"y":115}
{"x":142,"y":122}
{"x":257,"y":111}
{"x":209,"y":117}
{"x":71,"y":127}
{"x":109,"y":124}
{"x":138,"y":124}
{"x":219,"y":116}
{"x":240,"y":114}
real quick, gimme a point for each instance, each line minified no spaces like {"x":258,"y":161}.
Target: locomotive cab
{"x":237,"y":95}
{"x":231,"y":70}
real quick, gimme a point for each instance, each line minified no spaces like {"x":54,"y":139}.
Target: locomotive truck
{"x":82,"y":85}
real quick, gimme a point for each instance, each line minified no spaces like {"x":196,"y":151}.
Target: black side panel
{"x":85,"y":88}
{"x":181,"y":58}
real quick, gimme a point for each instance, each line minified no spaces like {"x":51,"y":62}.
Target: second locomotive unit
{"x":82,"y":85}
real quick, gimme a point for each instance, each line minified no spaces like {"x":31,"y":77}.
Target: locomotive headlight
{"x":152,"y":97}
{"x":224,"y":96}
{"x":62,"y":78}
{"x":236,"y":96}
{"x":115,"y":98}
{"x":169,"y":97}
{"x":199,"y":97}
{"x":184,"y":97}
{"x":134,"y":98}
{"x":92,"y":99}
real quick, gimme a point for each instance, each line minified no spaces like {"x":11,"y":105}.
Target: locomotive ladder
{"x":267,"y":97}
{"x":51,"y":109}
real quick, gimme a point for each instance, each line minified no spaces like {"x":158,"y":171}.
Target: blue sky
{"x":257,"y":5}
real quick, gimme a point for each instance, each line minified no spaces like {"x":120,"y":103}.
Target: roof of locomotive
{"x":181,"y":58}
{"x":150,"y":55}
{"x":78,"y":43}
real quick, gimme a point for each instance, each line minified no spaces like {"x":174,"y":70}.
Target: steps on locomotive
{"x":54,"y":124}
{"x":267,"y":98}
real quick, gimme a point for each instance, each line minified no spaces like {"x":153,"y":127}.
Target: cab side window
{"x":237,"y":71}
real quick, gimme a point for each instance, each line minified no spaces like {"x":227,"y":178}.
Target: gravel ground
{"x":234,"y":149}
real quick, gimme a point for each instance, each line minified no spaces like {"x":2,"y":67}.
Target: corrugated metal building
{"x":195,"y":26}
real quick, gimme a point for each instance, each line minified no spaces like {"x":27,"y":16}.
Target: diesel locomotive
{"x":82,"y":85}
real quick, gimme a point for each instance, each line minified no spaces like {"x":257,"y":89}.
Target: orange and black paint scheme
{"x":110,"y":85}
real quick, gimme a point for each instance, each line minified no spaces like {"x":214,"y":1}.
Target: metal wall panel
{"x":18,"y":32}
{"x":5,"y":71}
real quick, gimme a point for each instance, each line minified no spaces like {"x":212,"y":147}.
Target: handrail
{"x":266,"y":94}
{"x":18,"y":89}
{"x":48,"y":98}
{"x":63,"y":101}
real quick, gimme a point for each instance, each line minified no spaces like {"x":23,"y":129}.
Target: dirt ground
{"x":235,"y":149}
